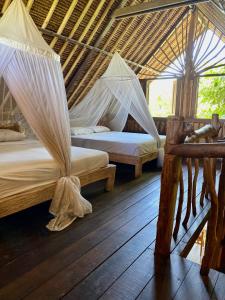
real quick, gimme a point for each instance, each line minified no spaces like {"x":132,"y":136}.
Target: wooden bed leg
{"x":138,"y":170}
{"x":110,"y":180}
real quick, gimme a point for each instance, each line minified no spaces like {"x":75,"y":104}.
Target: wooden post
{"x":187,"y":86}
{"x":170,"y":179}
{"x":168,"y":195}
{"x":143,"y":83}
{"x":212,"y":241}
{"x":221,"y":217}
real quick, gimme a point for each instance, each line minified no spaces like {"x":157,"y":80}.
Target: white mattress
{"x":127,"y":143}
{"x":27,"y":164}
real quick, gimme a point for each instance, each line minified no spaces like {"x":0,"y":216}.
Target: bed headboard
{"x":12,"y":126}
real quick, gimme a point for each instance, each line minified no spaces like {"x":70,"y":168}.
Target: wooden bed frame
{"x":136,"y":161}
{"x":21,"y":201}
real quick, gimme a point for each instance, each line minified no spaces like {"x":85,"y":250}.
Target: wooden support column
{"x":169,"y":185}
{"x":143,"y":83}
{"x":188,"y":85}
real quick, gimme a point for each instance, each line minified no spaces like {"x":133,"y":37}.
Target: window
{"x":211,"y":82}
{"x":161,"y":97}
{"x":211,"y":94}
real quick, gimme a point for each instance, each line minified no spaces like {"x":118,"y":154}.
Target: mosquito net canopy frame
{"x":113,"y":97}
{"x":32,"y":72}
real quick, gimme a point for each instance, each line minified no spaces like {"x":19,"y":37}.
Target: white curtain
{"x":34,"y":77}
{"x":115,"y":95}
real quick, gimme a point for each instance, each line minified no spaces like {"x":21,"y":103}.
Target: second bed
{"x":122,"y":147}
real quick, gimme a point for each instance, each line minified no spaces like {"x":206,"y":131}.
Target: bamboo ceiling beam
{"x":162,"y":44}
{"x":144,"y":56}
{"x":50,"y":13}
{"x":220,"y":4}
{"x":153,"y":6}
{"x":77,"y":59}
{"x":157,"y":34}
{"x":77,"y":24}
{"x":131,"y":36}
{"x":102,"y":63}
{"x":29,"y":4}
{"x":75,"y":42}
{"x":210,"y":67}
{"x":91,"y":21}
{"x":64,"y":22}
{"x":214,"y":15}
{"x":5,"y":6}
{"x":97,"y":44}
{"x":143,"y":38}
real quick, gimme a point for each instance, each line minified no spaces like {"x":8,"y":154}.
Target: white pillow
{"x":100,"y":129}
{"x":7,"y":135}
{"x":81,"y":130}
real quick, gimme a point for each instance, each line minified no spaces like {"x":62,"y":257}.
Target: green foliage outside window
{"x":211,"y":96}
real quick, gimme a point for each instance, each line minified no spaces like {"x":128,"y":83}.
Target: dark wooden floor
{"x":106,"y":255}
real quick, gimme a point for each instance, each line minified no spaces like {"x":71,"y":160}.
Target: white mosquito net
{"x":115,"y":95}
{"x":32,"y":72}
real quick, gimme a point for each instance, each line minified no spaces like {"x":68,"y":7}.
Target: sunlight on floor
{"x":197,"y":251}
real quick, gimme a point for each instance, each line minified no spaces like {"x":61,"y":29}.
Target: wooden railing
{"x":161,"y":123}
{"x":179,"y":147}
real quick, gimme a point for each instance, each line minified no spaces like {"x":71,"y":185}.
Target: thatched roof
{"x":90,"y":22}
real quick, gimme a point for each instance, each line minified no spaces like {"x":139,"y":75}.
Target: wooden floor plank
{"x":196,"y":286}
{"x":131,"y":283}
{"x":168,"y":278}
{"x":219,"y":289}
{"x":97,"y":282}
{"x":65,"y":280}
{"x":36,"y":234}
{"x":107,"y":254}
{"x":131,"y":221}
{"x":96,"y":232}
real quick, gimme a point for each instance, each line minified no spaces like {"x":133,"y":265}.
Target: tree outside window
{"x":211,"y":94}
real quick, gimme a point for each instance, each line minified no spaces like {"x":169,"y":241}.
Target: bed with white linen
{"x":39,"y":173}
{"x":122,"y":147}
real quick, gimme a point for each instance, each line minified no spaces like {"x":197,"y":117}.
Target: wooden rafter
{"x":96,"y":59}
{"x":97,"y":43}
{"x":145,"y":56}
{"x":214,"y":15}
{"x":83,"y":45}
{"x":29,"y":4}
{"x":143,"y":38}
{"x":50,"y":13}
{"x":64,"y":22}
{"x":77,"y":24}
{"x":5,"y":5}
{"x":91,"y":21}
{"x":77,"y":59}
{"x":153,"y":6}
{"x":220,"y":4}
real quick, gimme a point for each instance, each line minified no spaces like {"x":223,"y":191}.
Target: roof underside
{"x":89,"y":21}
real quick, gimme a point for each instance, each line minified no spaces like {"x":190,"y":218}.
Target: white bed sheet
{"x":27,"y":164}
{"x":127,"y":143}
